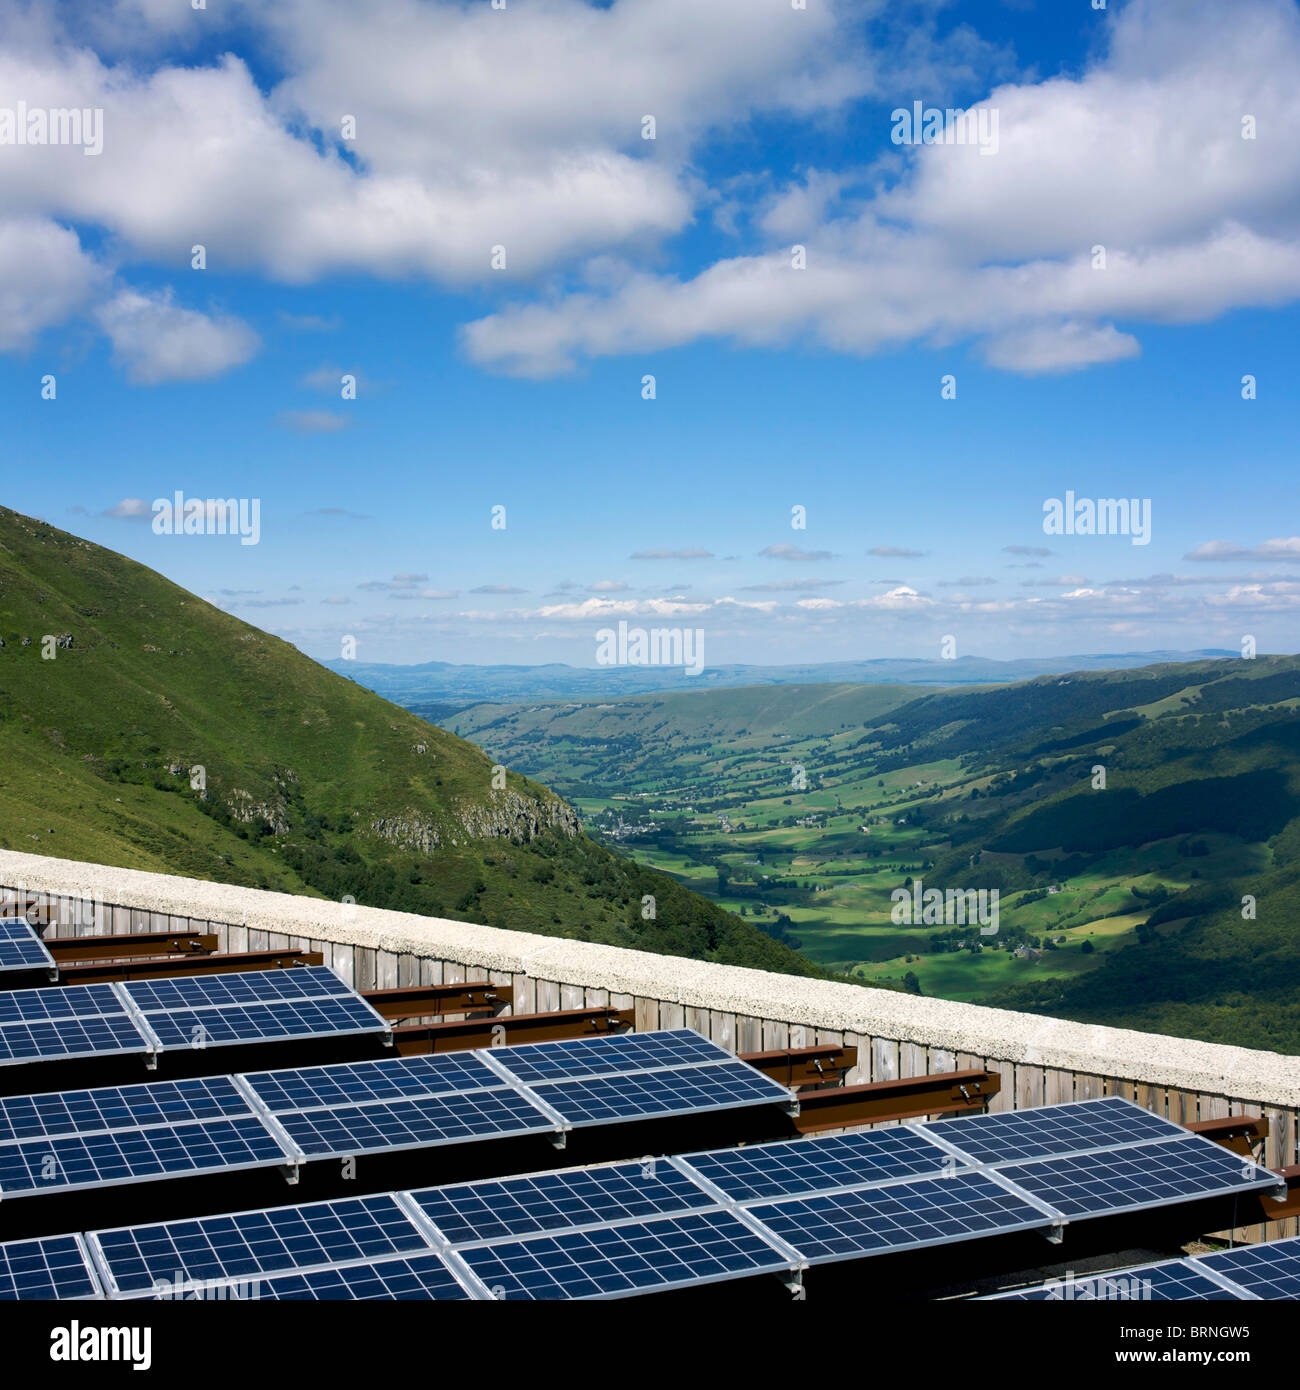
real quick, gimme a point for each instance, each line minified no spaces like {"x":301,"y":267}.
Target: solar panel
{"x":485,"y":1212}
{"x":36,"y":1166}
{"x":66,"y":1001}
{"x":392,"y":1078}
{"x":21,"y":948}
{"x":277,"y":1022}
{"x":420,"y":1277}
{"x":69,"y":1037}
{"x":119,"y":1107}
{"x":53,"y":1267}
{"x":646,"y":1094}
{"x":634,"y":1258}
{"x":1079,"y":1127}
{"x":1270,"y":1270}
{"x":1157,"y":1283}
{"x":812,"y":1165}
{"x":246,"y":1245}
{"x":1140,"y":1176}
{"x":602,"y":1056}
{"x":424,"y":1122}
{"x":238,"y":987}
{"x":909,"y":1215}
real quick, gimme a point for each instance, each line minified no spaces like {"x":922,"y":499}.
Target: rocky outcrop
{"x":505,"y":815}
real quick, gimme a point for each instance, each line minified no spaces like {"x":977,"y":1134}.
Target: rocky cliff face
{"x":505,"y":815}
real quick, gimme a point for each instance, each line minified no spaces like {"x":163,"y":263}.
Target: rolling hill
{"x":141,"y":727}
{"x":1140,"y":826}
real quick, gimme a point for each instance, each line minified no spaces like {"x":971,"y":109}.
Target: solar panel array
{"x":71,"y":1140}
{"x":53,"y":1143}
{"x":638,"y":1227}
{"x":21,"y":948}
{"x":148,"y":1017}
{"x":1267,"y":1271}
{"x":535,"y":1088}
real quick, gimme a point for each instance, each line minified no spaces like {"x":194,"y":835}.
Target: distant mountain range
{"x":446,"y":686}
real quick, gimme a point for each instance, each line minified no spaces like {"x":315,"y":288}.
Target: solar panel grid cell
{"x":255,"y":1243}
{"x":239,"y":987}
{"x":482,"y":1212}
{"x":606,"y":1055}
{"x":69,"y":1037}
{"x":38,"y":1166}
{"x":423,"y":1122}
{"x":1082,"y":1126}
{"x":849,"y":1225}
{"x":619,"y":1261}
{"x":248,"y":1023}
{"x":808,"y":1165}
{"x":21,"y":948}
{"x":309,"y":1088}
{"x":1176,"y":1280}
{"x":634,"y":1095}
{"x":119,"y":1107}
{"x":1137,"y":1176}
{"x":65,"y":1001}
{"x":421,"y":1277}
{"x":1269,"y":1270}
{"x":53,"y":1267}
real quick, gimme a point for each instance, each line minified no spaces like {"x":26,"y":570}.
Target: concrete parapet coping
{"x":1267,"y":1078}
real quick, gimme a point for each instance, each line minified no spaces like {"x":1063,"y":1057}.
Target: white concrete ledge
{"x":1266,"y":1078}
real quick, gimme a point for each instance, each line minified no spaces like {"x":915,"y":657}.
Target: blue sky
{"x":775,"y":387}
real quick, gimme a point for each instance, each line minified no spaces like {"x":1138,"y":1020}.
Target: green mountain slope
{"x":139,"y":726}
{"x":675,"y":739}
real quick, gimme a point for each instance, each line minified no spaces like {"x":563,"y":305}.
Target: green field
{"x":803,"y":809}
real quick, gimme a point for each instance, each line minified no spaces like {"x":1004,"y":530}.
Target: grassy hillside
{"x":672,"y":740}
{"x":1167,"y":898}
{"x":140,"y":726}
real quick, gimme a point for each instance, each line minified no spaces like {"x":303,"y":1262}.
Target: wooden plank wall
{"x":879,"y":1058}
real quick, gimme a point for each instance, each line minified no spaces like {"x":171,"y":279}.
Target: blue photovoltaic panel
{"x":418,"y":1277}
{"x":53,"y":1267}
{"x":69,"y":1037}
{"x":350,"y":1083}
{"x":619,"y":1261}
{"x":483,"y":1212}
{"x":250,"y":1023}
{"x":419,"y":1123}
{"x":604,"y":1056}
{"x":1159,"y":1283}
{"x":252,"y":1243}
{"x":1019,"y":1135}
{"x":1270,"y":1270}
{"x":1142,"y":1175}
{"x":67,"y":1001}
{"x":641,"y":1095}
{"x":119,"y":1107}
{"x":21,"y":948}
{"x":811,"y":1165}
{"x":933,"y":1211}
{"x":238,"y":987}
{"x":131,"y":1155}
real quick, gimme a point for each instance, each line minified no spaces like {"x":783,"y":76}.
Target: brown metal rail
{"x":822,"y":1065}
{"x":1240,"y":1133}
{"x":839,"y":1107}
{"x":101,"y":972}
{"x":418,"y":1038}
{"x":150,"y":943}
{"x":423,"y":1001}
{"x":1281,"y":1209}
